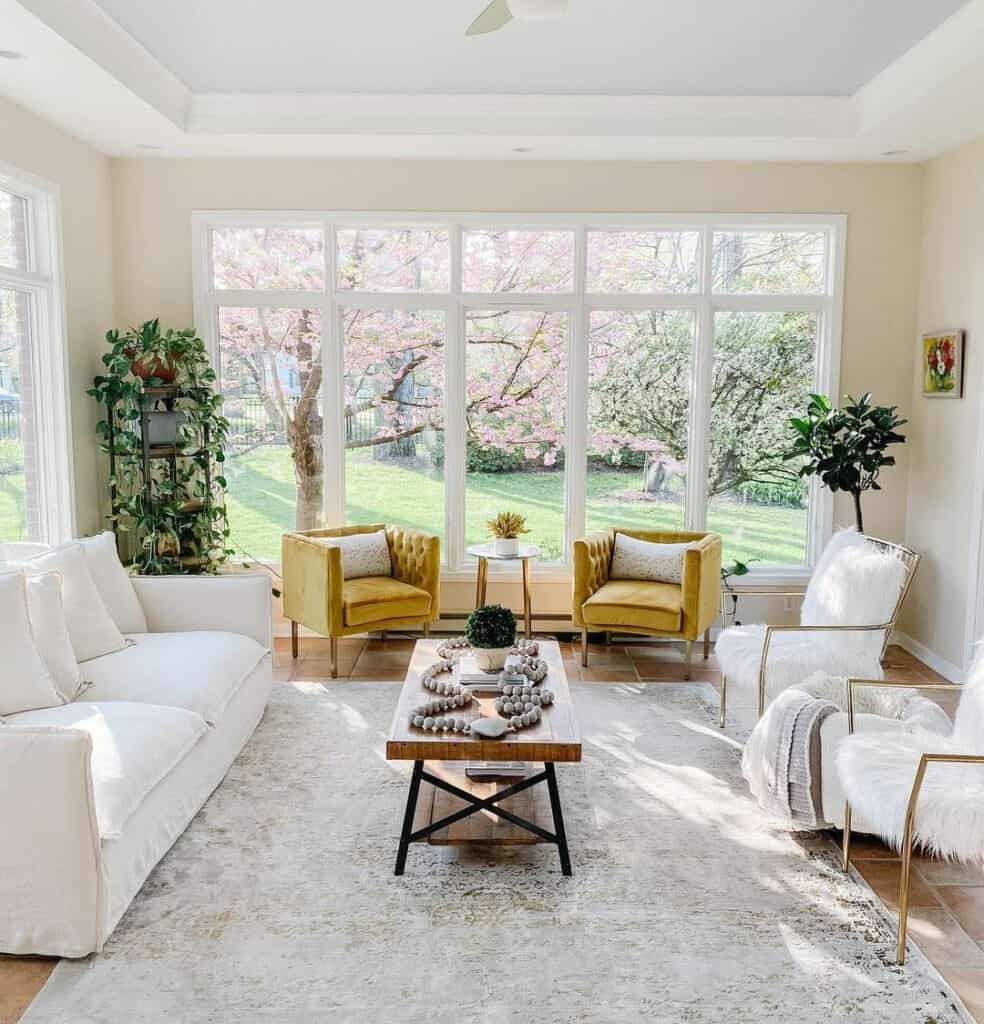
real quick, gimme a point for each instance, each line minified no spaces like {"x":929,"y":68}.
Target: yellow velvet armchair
{"x":642,"y":606}
{"x":317,"y":596}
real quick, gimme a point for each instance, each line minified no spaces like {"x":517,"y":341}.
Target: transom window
{"x":433,"y":371}
{"x":36,"y":500}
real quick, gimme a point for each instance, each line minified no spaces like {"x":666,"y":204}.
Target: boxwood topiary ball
{"x":491,"y":626}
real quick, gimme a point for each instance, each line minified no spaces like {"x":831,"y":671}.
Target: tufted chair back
{"x":412,"y":556}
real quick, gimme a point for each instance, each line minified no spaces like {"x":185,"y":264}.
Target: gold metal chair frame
{"x":910,"y":813}
{"x":905,"y":555}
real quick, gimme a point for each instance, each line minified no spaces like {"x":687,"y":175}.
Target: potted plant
{"x":505,"y":530}
{"x":177,"y":517}
{"x":845,"y":448}
{"x":155,"y":356}
{"x":491,"y":630}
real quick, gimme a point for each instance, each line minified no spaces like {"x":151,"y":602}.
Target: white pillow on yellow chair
{"x":635,"y":559}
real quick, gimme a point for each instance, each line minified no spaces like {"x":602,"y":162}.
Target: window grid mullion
{"x":702,"y":377}
{"x":455,"y":396}
{"x":576,"y":455}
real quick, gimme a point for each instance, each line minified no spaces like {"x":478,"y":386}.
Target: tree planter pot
{"x":490,"y":659}
{"x":505,"y":546}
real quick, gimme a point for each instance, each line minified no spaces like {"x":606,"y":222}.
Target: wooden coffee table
{"x":499,"y":812}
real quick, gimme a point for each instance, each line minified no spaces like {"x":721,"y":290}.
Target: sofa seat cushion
{"x":134,"y":746}
{"x":199,"y":671}
{"x":377,"y":598}
{"x":638,"y":604}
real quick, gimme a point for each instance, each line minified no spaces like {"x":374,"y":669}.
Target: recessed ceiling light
{"x":11,"y":55}
{"x":895,"y":152}
{"x":522,"y":149}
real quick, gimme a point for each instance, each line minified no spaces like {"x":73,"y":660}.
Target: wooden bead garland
{"x":443,"y":686}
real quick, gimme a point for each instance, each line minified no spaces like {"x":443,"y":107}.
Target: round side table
{"x":486,"y":553}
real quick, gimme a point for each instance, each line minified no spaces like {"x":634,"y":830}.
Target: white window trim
{"x":44,"y":281}
{"x":578,"y":304}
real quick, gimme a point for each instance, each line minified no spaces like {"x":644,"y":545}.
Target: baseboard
{"x":947,"y":669}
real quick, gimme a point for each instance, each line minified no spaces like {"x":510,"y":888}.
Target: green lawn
{"x":11,"y":491}
{"x":261,"y":506}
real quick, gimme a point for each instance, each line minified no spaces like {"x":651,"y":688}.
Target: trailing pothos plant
{"x":179,"y":523}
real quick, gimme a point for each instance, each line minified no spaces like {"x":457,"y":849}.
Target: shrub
{"x":491,"y":626}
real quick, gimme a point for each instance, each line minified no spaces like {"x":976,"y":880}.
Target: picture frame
{"x":942,"y":358}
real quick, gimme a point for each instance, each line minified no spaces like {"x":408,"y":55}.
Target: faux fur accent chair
{"x":918,"y":788}
{"x":846,"y":619}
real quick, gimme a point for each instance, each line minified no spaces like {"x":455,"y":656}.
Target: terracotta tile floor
{"x":947,"y":915}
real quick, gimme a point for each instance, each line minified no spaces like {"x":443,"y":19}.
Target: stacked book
{"x":467,"y":673}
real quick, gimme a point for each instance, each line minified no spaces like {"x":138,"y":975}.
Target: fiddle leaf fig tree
{"x":845,"y":448}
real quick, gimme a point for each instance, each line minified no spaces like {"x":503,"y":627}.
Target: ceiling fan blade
{"x":497,"y":15}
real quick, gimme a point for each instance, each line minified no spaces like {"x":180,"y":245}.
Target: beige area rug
{"x":279,"y":903}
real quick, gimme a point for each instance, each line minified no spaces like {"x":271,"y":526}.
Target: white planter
{"x":490,"y":659}
{"x":504,"y":546}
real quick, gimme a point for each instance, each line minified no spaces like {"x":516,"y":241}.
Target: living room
{"x":469,"y":499}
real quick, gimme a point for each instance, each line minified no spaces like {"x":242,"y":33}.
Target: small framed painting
{"x":942,"y":364}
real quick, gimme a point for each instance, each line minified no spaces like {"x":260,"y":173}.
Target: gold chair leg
{"x":608,"y":638}
{"x":846,"y":850}
{"x":724,"y":698}
{"x":427,"y":629}
{"x":333,"y":656}
{"x":707,"y":643}
{"x":688,"y":658}
{"x":293,"y":639}
{"x":584,"y":648}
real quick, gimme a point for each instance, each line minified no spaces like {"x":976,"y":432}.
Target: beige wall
{"x":154,"y":199}
{"x":945,"y":434}
{"x":83,"y":176}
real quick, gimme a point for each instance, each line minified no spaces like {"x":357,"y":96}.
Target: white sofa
{"x":94,"y":792}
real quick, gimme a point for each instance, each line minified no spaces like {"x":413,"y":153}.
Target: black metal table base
{"x":548,"y":775}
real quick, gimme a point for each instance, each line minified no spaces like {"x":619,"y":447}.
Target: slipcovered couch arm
{"x":50,"y":859}
{"x":592,"y":559}
{"x":313,"y":582}
{"x":701,"y":584}
{"x":233,"y":603}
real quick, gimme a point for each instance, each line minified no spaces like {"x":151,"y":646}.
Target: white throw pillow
{"x":635,"y":559}
{"x":90,"y":625}
{"x":363,"y":554}
{"x":44,"y":604}
{"x":113,"y":583}
{"x":25,"y":682}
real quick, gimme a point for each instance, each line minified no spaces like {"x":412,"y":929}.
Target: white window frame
{"x":43,"y":281}
{"x":578,"y":304}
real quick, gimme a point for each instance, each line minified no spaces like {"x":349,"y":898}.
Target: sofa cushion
{"x":133,"y":747}
{"x":375,"y":598}
{"x":25,"y":681}
{"x":90,"y":626}
{"x":114,"y":583}
{"x":199,"y":671}
{"x":639,"y":604}
{"x":51,"y":636}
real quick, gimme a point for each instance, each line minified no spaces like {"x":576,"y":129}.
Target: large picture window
{"x":36,"y":499}
{"x":585,"y":372}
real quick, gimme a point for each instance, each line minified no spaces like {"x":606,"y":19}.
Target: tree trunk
{"x":309,"y":474}
{"x":857,"y":510}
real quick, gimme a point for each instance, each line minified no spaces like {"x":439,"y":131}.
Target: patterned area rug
{"x":279,"y":903}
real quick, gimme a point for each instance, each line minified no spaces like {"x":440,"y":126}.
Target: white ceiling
{"x":615,"y":80}
{"x":654,"y":47}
